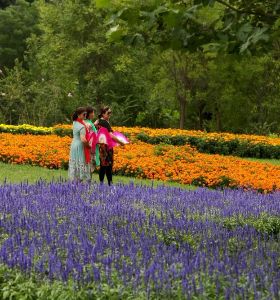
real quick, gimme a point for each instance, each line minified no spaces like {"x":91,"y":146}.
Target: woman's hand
{"x":87,"y":145}
{"x":84,"y":141}
{"x":116,"y":139}
{"x":88,"y":126}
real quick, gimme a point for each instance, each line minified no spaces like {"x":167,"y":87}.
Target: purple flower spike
{"x":165,"y":241}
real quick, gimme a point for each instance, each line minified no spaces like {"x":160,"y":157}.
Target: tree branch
{"x":249,"y":12}
{"x":228,"y":5}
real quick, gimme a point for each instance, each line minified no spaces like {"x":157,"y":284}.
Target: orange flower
{"x":168,"y":163}
{"x":49,"y":151}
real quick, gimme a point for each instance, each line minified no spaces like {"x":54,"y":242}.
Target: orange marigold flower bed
{"x":168,"y":163}
{"x":48,"y":151}
{"x":185,"y":165}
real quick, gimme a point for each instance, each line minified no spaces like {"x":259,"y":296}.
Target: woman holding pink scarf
{"x":105,"y":140}
{"x":80,"y":152}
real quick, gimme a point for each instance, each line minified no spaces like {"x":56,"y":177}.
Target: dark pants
{"x":108,"y":170}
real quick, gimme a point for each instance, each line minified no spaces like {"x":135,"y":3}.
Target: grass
{"x":275,"y":162}
{"x":18,"y":173}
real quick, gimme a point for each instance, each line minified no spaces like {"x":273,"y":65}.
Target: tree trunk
{"x":200,"y":116}
{"x":98,"y":102}
{"x":218,"y":120}
{"x":183,"y":105}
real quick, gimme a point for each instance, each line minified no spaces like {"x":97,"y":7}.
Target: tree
{"x":72,"y":52}
{"x":71,"y":56}
{"x":17,"y":23}
{"x":230,"y":26}
{"x":242,"y":94}
{"x":188,"y":76}
{"x":26,"y":98}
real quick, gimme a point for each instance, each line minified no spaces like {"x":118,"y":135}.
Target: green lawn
{"x":19,"y":173}
{"x":270,"y":161}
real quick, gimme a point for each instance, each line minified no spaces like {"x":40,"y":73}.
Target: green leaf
{"x":161,"y":10}
{"x":260,"y":34}
{"x":244,"y":31}
{"x":136,"y":39}
{"x":172,"y":18}
{"x":102,"y":3}
{"x":6,"y":294}
{"x":211,"y":49}
{"x":277,"y":24}
{"x":115,"y":34}
{"x":129,"y":15}
{"x":205,"y":2}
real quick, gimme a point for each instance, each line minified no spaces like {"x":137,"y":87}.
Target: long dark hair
{"x":89,"y":110}
{"x":103,"y":110}
{"x":77,"y":112}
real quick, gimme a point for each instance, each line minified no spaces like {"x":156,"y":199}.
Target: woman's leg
{"x":109,"y":174}
{"x":102,"y":172}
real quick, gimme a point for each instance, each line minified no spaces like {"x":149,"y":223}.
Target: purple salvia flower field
{"x":166,"y":242}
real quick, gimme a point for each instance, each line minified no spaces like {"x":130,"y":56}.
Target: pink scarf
{"x":86,"y":149}
{"x":104,"y":137}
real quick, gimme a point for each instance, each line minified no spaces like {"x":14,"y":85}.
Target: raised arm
{"x":116,"y":139}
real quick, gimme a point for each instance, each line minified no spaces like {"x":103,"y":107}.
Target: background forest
{"x":57,"y":55}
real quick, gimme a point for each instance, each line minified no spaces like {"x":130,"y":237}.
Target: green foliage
{"x":6,"y":3}
{"x":242,"y":94}
{"x":17,"y":23}
{"x":264,"y":223}
{"x":15,"y":285}
{"x":165,"y":139}
{"x":102,"y":3}
{"x":64,"y":54}
{"x":235,"y":26}
{"x":71,"y":64}
{"x":60,"y":131}
{"x":26,"y":99}
{"x":234,"y":147}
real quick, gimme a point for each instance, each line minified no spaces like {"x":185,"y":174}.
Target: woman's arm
{"x":116,"y":139}
{"x":84,"y":140}
{"x":88,"y":125}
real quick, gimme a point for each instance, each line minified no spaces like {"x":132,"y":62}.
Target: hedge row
{"x":234,"y":147}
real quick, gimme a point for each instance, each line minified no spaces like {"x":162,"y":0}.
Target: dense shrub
{"x":234,"y":147}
